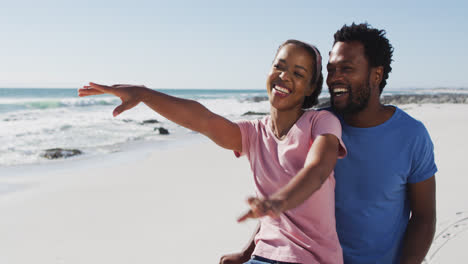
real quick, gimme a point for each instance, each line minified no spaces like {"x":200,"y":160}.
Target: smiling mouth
{"x":339,"y":91}
{"x":281,"y":90}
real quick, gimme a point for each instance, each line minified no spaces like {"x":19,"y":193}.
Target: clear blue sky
{"x":215,"y":44}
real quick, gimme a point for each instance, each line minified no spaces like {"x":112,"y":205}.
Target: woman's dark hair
{"x":317,"y":79}
{"x":377,"y":48}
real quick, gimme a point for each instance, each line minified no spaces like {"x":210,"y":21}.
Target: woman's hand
{"x":131,"y":95}
{"x":262,"y":207}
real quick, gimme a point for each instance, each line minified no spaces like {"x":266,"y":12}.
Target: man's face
{"x":348,"y":77}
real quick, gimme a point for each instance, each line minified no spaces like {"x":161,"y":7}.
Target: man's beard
{"x":356,"y":102}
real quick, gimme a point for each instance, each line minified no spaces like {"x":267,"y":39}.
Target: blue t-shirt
{"x":372,"y":207}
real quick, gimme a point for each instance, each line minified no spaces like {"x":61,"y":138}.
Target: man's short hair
{"x":377,"y":48}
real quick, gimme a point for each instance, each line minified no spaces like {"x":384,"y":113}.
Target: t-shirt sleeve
{"x":247,"y":128}
{"x":327,"y":123}
{"x":422,"y":164}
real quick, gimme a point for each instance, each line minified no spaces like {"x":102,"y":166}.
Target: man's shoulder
{"x":409,"y":123}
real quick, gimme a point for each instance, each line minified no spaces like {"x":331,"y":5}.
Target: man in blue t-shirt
{"x":385,"y":187}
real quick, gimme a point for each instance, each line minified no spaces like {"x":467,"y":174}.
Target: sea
{"x":33,"y":120}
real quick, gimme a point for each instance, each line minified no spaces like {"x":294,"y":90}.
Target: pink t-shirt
{"x":307,"y":233}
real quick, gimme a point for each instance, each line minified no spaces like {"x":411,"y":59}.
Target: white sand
{"x":180,"y":205}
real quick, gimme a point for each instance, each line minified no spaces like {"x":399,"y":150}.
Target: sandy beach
{"x":179,"y":204}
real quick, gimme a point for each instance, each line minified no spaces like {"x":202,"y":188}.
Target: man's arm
{"x":422,"y":224}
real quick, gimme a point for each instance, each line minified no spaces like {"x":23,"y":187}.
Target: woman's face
{"x":289,"y":80}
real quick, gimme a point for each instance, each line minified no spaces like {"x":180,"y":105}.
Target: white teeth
{"x":281,"y":89}
{"x":340,"y":90}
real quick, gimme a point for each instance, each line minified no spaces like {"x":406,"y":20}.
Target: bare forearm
{"x":418,"y":239}
{"x":302,"y":186}
{"x":187,"y":113}
{"x":320,"y":163}
{"x":194,"y":116}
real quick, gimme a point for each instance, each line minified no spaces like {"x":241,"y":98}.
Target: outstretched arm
{"x":187,"y":113}
{"x":320,"y":162}
{"x":422,"y":224}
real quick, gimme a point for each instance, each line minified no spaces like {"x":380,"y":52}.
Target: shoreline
{"x":48,"y":130}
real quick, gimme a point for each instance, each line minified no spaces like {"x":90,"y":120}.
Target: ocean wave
{"x":49,"y":103}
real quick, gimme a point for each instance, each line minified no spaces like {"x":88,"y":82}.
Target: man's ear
{"x":377,"y":75}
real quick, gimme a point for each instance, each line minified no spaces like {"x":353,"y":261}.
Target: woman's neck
{"x":282,"y":121}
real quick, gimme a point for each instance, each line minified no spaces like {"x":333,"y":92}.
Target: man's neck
{"x":373,"y":115}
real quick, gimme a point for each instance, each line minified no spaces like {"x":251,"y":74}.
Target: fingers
{"x":260,"y":208}
{"x":86,"y":91}
{"x":94,"y":89}
{"x":245,"y":216}
{"x":102,"y":88}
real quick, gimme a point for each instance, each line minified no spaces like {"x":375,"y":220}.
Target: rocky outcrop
{"x":439,"y":98}
{"x":58,"y":153}
{"x":161,"y":130}
{"x":149,"y":121}
{"x":402,"y":99}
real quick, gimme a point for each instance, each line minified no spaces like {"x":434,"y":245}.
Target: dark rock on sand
{"x":253,"y":113}
{"x":162,"y":130}
{"x":149,"y":121}
{"x":58,"y":153}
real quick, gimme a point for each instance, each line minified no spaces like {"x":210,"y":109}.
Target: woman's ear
{"x":311,"y":88}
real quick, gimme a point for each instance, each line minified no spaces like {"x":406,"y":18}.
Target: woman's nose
{"x":284,"y":75}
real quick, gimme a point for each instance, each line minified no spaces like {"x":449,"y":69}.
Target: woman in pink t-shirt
{"x":292,"y":153}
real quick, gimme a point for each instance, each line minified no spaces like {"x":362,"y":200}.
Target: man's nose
{"x":334,"y":76}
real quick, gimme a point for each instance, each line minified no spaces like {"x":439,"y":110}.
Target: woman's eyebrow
{"x":299,"y":66}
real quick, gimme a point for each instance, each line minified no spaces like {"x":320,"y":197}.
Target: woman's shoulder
{"x":321,"y":114}
{"x":256,"y":124}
